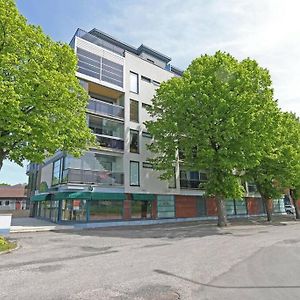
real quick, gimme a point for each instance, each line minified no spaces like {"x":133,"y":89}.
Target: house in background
{"x":13,"y":197}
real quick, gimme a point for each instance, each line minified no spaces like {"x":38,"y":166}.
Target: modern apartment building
{"x":116,"y":180}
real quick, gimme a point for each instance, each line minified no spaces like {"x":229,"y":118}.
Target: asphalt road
{"x":165,"y":262}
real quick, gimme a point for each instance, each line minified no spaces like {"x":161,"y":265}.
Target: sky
{"x":265,"y":30}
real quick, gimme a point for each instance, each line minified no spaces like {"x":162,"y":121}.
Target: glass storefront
{"x":141,"y":210}
{"x":105,"y":210}
{"x":73,"y":210}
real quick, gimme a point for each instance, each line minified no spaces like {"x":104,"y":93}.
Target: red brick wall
{"x":154,"y":209}
{"x":186,"y":206}
{"x":211,"y":207}
{"x":127,"y":207}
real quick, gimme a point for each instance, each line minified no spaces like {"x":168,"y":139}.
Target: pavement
{"x":158,"y":262}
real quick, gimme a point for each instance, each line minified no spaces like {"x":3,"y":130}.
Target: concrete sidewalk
{"x":33,"y":224}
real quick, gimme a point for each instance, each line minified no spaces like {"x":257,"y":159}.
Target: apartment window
{"x":134,"y":141}
{"x":134,"y":82}
{"x":147,"y":79}
{"x":7,"y":203}
{"x":156,"y":82}
{"x":134,"y":173}
{"x":147,"y":165}
{"x":146,"y":106}
{"x":134,"y":111}
{"x":0,"y":203}
{"x":146,"y":135}
{"x":56,"y":174}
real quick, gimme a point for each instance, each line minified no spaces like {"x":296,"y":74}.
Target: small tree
{"x":279,"y":168}
{"x":219,"y":116}
{"x":42,"y":105}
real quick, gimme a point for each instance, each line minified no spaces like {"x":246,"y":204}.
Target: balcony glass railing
{"x":110,"y":143}
{"x":106,"y":109}
{"x":105,"y":178}
{"x":192,"y":184}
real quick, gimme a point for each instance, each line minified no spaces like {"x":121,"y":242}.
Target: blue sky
{"x":266,"y":30}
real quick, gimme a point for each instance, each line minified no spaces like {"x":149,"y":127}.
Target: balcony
{"x":110,"y":143}
{"x":192,"y":184}
{"x":105,"y":178}
{"x":105,"y":109}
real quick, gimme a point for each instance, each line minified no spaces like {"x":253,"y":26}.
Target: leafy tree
{"x":279,"y":168}
{"x":219,"y":116}
{"x":42,"y":105}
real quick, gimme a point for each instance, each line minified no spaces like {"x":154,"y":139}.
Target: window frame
{"x":138,"y":113}
{"x":138,"y":141}
{"x":146,"y":79}
{"x":138,"y":173}
{"x":137,"y":84}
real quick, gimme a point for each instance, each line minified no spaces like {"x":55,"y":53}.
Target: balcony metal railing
{"x":105,"y":109}
{"x":192,"y":184}
{"x":105,"y":178}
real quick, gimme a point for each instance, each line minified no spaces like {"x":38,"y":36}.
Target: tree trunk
{"x":295,"y":203}
{"x":268,"y":208}
{"x":222,"y":216}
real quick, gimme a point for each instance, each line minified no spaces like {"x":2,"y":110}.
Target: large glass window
{"x":106,"y":127}
{"x":56,"y":175}
{"x":73,"y":210}
{"x":134,"y":111}
{"x":106,"y":210}
{"x":141,"y":209}
{"x":134,"y":173}
{"x":134,"y":82}
{"x":134,"y":141}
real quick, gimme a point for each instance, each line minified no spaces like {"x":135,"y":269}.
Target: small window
{"x":150,"y":60}
{"x":144,"y":78}
{"x":0,"y":203}
{"x":147,"y":165}
{"x":134,"y":141}
{"x":146,"y":106}
{"x":146,"y":135}
{"x":7,"y":203}
{"x":134,"y":111}
{"x":156,"y":82}
{"x":134,"y":82}
{"x":134,"y":173}
{"x":56,"y":174}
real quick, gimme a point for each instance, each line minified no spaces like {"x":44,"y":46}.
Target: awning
{"x":80,"y":195}
{"x":107,"y":196}
{"x":62,"y":195}
{"x":143,"y":197}
{"x":41,"y":197}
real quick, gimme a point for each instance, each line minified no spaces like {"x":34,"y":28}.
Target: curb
{"x":18,"y":246}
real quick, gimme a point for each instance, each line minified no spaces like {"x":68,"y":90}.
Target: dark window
{"x":134,"y":82}
{"x":147,"y":165}
{"x":146,"y":106}
{"x":56,"y":174}
{"x":146,"y":135}
{"x":134,"y":111}
{"x":0,"y":203}
{"x":150,"y":60}
{"x":155,"y":82}
{"x":172,"y":180}
{"x":7,"y":202}
{"x":147,"y":79}
{"x":134,"y":173}
{"x":134,"y":141}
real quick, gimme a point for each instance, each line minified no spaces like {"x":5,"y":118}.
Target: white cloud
{"x":266,"y":30}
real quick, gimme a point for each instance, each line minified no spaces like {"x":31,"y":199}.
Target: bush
{"x":6,"y":245}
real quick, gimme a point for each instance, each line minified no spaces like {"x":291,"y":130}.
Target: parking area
{"x":172,"y":261}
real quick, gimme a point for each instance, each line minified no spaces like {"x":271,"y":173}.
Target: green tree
{"x":42,"y":105}
{"x":218,"y":117}
{"x":279,"y":168}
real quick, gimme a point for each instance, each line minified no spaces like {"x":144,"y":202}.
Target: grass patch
{"x":6,"y":245}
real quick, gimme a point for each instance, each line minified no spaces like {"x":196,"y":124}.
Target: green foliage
{"x":42,"y":105}
{"x":220,"y":115}
{"x":6,"y":245}
{"x":4,"y":184}
{"x":279,"y":168}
